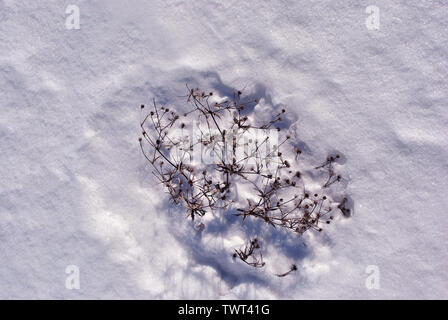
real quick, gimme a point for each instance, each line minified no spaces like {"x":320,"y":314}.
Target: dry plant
{"x":292,"y":269}
{"x":200,"y":156}
{"x":251,"y":254}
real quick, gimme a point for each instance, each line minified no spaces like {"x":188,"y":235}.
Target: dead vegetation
{"x":251,"y":254}
{"x":200,"y":155}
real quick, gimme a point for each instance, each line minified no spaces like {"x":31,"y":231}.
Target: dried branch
{"x":228,"y":137}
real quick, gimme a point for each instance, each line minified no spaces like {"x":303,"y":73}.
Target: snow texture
{"x":76,"y":190}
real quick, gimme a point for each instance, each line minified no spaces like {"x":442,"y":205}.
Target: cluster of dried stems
{"x":279,"y":195}
{"x":251,"y":254}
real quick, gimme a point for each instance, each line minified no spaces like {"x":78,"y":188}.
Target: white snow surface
{"x":76,"y":190}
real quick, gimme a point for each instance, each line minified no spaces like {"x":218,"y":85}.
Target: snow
{"x":76,"y":190}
